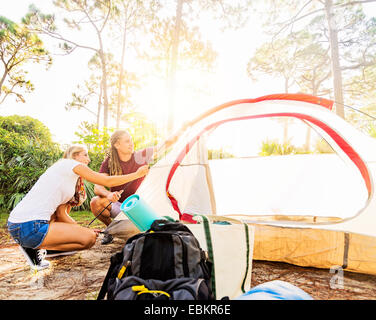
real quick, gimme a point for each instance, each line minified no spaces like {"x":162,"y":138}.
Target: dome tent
{"x":183,"y":183}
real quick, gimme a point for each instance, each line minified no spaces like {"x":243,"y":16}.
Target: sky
{"x":196,"y":92}
{"x":53,"y":87}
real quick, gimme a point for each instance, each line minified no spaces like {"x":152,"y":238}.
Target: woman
{"x":40,"y":220}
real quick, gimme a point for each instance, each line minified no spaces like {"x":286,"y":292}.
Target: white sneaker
{"x":56,"y":253}
{"x":35,"y":258}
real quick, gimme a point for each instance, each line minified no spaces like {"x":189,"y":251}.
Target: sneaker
{"x":107,"y":239}
{"x":57,"y":253}
{"x":35,"y":258}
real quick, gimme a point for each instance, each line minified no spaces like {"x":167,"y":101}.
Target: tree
{"x":26,"y":151}
{"x":90,"y":93}
{"x":226,"y":9}
{"x":334,"y":32}
{"x":94,"y":14}
{"x":193,"y":53}
{"x":18,"y":47}
{"x":96,"y":140}
{"x":142,"y":129}
{"x":129,"y":16}
{"x":276,"y":59}
{"x":300,"y":60}
{"x":336,"y":67}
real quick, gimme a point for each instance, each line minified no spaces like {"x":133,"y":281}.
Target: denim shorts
{"x":29,"y":234}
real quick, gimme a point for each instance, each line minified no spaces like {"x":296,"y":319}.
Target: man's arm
{"x":162,"y":148}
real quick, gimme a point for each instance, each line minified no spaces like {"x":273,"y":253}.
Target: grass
{"x":3,"y":218}
{"x":83,"y":218}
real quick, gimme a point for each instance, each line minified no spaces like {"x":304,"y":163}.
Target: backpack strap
{"x":115,"y":259}
{"x":209,"y":246}
{"x":247,"y":257}
{"x":103,"y":291}
{"x":168,"y":225}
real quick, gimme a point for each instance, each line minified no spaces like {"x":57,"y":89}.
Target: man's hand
{"x":142,"y":171}
{"x":114,"y":196}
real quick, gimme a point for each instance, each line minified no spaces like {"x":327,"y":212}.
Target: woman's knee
{"x":90,"y":240}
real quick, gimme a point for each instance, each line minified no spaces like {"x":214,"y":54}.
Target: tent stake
{"x":99,"y":214}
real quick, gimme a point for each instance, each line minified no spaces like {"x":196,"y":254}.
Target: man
{"x":121,"y":159}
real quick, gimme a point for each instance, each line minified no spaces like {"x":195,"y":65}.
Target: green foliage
{"x":371,"y":130}
{"x":26,"y":151}
{"x":299,"y":59}
{"x":26,"y":126}
{"x":143,"y":131}
{"x":194,"y":53}
{"x":18,"y":46}
{"x":96,"y":140}
{"x":273,"y":147}
{"x":323,"y":147}
{"x":219,"y":154}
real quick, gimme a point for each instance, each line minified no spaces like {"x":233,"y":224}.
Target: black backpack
{"x":164,"y":263}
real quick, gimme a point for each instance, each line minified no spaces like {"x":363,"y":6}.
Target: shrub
{"x":26,"y":151}
{"x":272,"y":147}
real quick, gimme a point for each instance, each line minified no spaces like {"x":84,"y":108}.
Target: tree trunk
{"x":118,"y":109}
{"x":307,"y":146}
{"x":99,"y":104}
{"x":3,"y":79}
{"x":104,"y":81}
{"x":172,"y":72}
{"x":286,"y":120}
{"x":334,"y":50}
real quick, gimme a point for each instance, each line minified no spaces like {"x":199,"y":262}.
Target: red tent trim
{"x":342,"y":143}
{"x":278,"y":96}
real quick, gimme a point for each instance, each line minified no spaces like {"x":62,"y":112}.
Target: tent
{"x":316,"y":209}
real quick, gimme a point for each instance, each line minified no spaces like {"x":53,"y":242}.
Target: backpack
{"x":164,"y":263}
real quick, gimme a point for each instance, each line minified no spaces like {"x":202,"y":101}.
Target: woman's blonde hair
{"x":72,"y":151}
{"x":113,"y":156}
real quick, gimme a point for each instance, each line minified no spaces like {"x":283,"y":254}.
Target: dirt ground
{"x":80,"y":276}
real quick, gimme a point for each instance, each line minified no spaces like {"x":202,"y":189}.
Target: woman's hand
{"x":96,"y":231}
{"x":142,"y":171}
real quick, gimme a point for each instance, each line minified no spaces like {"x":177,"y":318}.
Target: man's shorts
{"x":115,"y":209}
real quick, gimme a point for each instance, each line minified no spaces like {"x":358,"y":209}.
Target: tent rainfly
{"x":337,"y":228}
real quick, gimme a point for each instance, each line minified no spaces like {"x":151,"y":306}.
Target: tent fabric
{"x":232,"y":276}
{"x":306,"y":186}
{"x":355,"y":145}
{"x":349,"y":151}
{"x":272,"y":97}
{"x":183,"y":182}
{"x":316,"y":248}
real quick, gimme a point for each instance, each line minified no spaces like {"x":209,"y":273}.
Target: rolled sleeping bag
{"x":139,"y":212}
{"x":275,"y":290}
